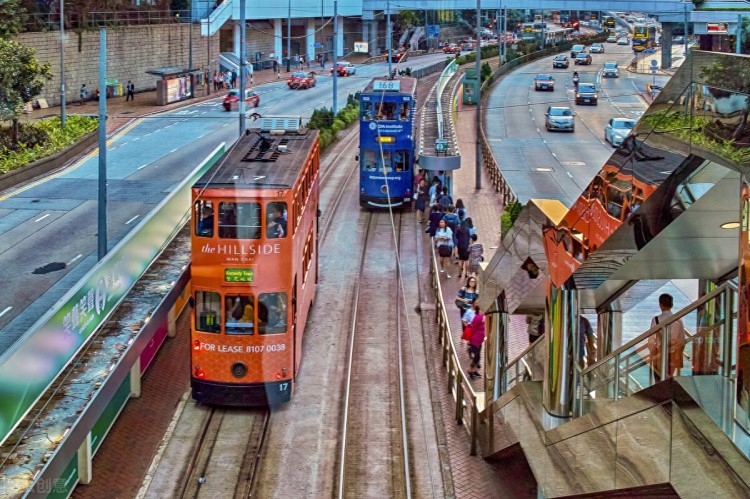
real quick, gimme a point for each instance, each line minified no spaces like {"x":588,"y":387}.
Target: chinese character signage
{"x":239,"y":275}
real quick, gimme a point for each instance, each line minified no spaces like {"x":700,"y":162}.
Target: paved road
{"x":558,"y":165}
{"x":48,"y":229}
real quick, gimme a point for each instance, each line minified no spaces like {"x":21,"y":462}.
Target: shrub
{"x":326,"y":137}
{"x":337,"y":126}
{"x":486,"y":71}
{"x":510,"y":214}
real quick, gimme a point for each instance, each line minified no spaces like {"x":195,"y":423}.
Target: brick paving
{"x":123,"y":459}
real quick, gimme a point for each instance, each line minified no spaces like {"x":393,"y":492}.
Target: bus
{"x":254,"y":265}
{"x":644,"y":37}
{"x":609,"y":22}
{"x":386,"y":142}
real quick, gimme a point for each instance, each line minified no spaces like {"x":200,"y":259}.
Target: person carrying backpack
{"x":445,"y":200}
{"x":452,"y":220}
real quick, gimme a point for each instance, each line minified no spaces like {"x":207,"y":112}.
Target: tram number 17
{"x":283,"y":387}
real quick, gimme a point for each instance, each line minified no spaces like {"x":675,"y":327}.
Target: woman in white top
{"x":444,"y":245}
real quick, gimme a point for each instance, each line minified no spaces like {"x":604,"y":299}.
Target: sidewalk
{"x":120,"y":113}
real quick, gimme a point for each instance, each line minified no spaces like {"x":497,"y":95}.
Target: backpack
{"x":461,"y":214}
{"x":451,"y":220}
{"x":445,"y":201}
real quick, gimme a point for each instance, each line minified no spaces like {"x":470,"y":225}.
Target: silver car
{"x":560,"y":118}
{"x":617,"y":130}
{"x":610,"y":70}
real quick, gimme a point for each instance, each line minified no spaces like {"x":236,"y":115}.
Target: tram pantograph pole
{"x":389,"y":35}
{"x":243,"y":68}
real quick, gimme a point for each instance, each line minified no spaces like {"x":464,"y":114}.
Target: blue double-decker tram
{"x":386,"y":142}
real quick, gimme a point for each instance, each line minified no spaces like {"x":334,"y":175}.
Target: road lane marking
{"x":41,"y":218}
{"x":554,"y":155}
{"x":569,"y":175}
{"x":173,"y":150}
{"x":74,"y":259}
{"x":137,"y":138}
{"x":538,"y":131}
{"x":142,"y":166}
{"x":5,"y":311}
{"x":128,"y":222}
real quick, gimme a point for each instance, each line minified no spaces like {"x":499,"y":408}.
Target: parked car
{"x":583,"y":58}
{"x":344,"y":69}
{"x":577,"y":49}
{"x":586,"y":94}
{"x":610,"y":70}
{"x":560,"y":118}
{"x":452,"y":48}
{"x":597,"y":48}
{"x":617,"y":129}
{"x":232,"y":101}
{"x":300,"y":80}
{"x":623,"y":41}
{"x":544,"y":82}
{"x":560,"y":61}
{"x":612,"y":39}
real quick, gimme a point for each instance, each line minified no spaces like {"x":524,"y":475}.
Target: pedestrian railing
{"x":89,"y":20}
{"x":469,"y":404}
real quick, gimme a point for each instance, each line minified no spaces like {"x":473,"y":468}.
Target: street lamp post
{"x":389,"y":35}
{"x":62,"y":63}
{"x":209,"y":78}
{"x":190,"y":43}
{"x":478,"y":163}
{"x":289,"y":36}
{"x":335,"y":53}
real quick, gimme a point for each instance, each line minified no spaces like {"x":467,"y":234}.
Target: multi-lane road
{"x":558,"y":165}
{"x":48,"y":228}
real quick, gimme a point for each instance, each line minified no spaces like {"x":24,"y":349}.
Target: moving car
{"x":597,"y":48}
{"x":232,"y":100}
{"x":396,"y":56}
{"x":586,"y":94}
{"x":344,"y":69}
{"x":577,"y":49}
{"x":610,"y":70}
{"x":617,"y":129}
{"x":583,"y":58}
{"x":611,"y":39}
{"x":300,"y":80}
{"x":467,"y":46}
{"x":559,"y":118}
{"x":544,"y":82}
{"x":623,"y":41}
{"x":452,"y":48}
{"x":560,"y":61}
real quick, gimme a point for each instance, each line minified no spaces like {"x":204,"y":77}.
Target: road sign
{"x":441,"y":145}
{"x":654,"y":63}
{"x":361,"y":47}
{"x":432,"y":31}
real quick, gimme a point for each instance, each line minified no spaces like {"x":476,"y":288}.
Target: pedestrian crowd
{"x":225,"y":80}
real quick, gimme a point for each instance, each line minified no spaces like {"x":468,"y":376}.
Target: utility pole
{"x":478,"y":165}
{"x":209,"y":77}
{"x":687,"y":32}
{"x":505,"y":27}
{"x":289,"y":36}
{"x":102,"y":204}
{"x":738,"y":42}
{"x":243,"y":67}
{"x":62,"y":64}
{"x":190,"y":43}
{"x":389,"y":35}
{"x":335,"y":54}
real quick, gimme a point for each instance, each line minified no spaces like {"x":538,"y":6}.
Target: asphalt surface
{"x":559,"y":165}
{"x":48,"y":228}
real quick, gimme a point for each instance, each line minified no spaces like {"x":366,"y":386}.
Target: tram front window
{"x":207,"y":312}
{"x":239,"y":220}
{"x":276,"y":224}
{"x":204,"y":218}
{"x":403,"y":115}
{"x":272,"y":313}
{"x":386,"y":111}
{"x":368,"y":112}
{"x":240,"y":315}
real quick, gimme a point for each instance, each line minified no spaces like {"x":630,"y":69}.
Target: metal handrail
{"x":672,"y":319}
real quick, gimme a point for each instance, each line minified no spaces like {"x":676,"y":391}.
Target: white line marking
{"x":5,"y":311}
{"x":554,"y":155}
{"x":41,"y":218}
{"x":74,"y":259}
{"x":149,"y":133}
{"x":128,"y":222}
{"x":544,"y":141}
{"x":569,"y":175}
{"x":225,"y":124}
{"x":173,"y":150}
{"x":538,"y":130}
{"x":137,"y":138}
{"x":142,"y":166}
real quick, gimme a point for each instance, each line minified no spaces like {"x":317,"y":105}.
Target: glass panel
{"x":208,"y":312}
{"x":239,"y":220}
{"x":272,"y":313}
{"x":240,"y":314}
{"x":204,"y":216}
{"x":401,"y":160}
{"x":368,"y":160}
{"x":386,"y":111}
{"x":404,"y":109}
{"x":276,"y":225}
{"x":599,"y":382}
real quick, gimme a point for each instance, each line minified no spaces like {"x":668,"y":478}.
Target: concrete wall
{"x":130,"y":53}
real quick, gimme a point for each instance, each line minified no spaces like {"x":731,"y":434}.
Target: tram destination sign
{"x":386,"y":86}
{"x":239,"y":275}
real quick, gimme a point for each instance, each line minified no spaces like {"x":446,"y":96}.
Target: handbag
{"x":444,"y":250}
{"x":461,"y":304}
{"x":467,"y":333}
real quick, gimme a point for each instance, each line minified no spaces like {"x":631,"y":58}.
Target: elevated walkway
{"x":216,"y":19}
{"x":438,"y":146}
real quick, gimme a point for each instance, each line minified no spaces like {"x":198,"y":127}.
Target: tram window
{"x":401,"y":160}
{"x":272,"y":313}
{"x":204,"y":219}
{"x":386,"y":111}
{"x":384,"y":162}
{"x":276,"y":224}
{"x":239,"y":220}
{"x":240,"y":315}
{"x":367,"y":111}
{"x":403,"y":114}
{"x":368,"y":160}
{"x":207,"y":312}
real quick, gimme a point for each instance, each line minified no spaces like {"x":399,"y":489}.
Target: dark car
{"x":559,"y":118}
{"x":561,"y":61}
{"x":586,"y":94}
{"x":583,"y":58}
{"x":232,"y":100}
{"x":544,"y":82}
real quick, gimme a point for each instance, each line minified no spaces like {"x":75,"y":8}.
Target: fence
{"x":91,"y":20}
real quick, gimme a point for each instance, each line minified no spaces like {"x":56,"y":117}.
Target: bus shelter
{"x":174,"y":84}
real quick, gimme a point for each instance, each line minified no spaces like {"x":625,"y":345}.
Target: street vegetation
{"x":329,"y":125}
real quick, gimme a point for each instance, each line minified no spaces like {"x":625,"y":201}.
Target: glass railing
{"x":697,"y":339}
{"x":528,"y":366}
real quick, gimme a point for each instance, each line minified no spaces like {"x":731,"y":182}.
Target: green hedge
{"x":329,"y":125}
{"x":41,"y":139}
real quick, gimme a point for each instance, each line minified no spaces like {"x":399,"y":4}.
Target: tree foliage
{"x":12,"y":18}
{"x":407,"y":18}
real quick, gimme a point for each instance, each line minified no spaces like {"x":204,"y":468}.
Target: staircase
{"x":216,"y":19}
{"x":415,"y":37}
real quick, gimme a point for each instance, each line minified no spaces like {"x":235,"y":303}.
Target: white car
{"x":623,"y":41}
{"x":610,"y":70}
{"x":617,"y":129}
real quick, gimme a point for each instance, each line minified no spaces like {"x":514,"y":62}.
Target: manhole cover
{"x":50,"y":267}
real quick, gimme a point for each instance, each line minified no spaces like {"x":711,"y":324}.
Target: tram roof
{"x":408,"y":86}
{"x":253,"y":164}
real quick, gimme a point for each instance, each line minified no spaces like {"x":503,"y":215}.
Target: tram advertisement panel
{"x":743,"y":313}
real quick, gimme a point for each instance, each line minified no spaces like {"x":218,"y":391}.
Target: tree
{"x":12,"y":18}
{"x":22,"y":77}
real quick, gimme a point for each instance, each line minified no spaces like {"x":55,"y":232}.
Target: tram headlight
{"x":197,"y":345}
{"x":199,"y":372}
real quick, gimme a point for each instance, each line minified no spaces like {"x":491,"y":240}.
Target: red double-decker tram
{"x":254,"y":265}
